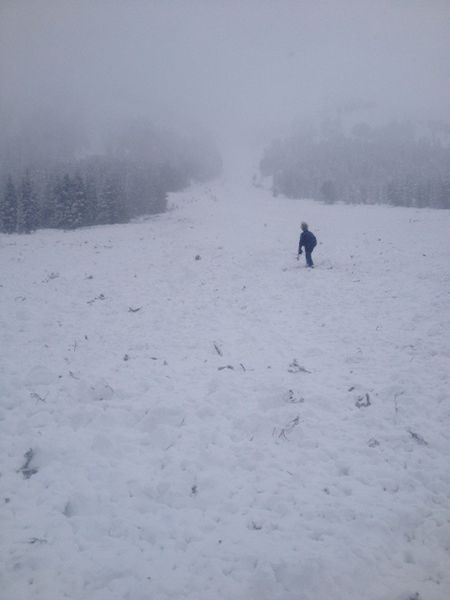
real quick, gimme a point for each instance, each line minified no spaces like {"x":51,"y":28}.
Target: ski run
{"x":188,"y":413}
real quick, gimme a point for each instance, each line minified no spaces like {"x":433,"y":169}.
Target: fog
{"x":235,"y":68}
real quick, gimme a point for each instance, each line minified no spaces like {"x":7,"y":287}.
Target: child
{"x":307,"y":241}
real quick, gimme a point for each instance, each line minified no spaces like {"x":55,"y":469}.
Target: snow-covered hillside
{"x":187,"y":412}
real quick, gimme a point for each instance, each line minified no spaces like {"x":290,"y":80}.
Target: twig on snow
{"x":417,"y":438}
{"x":38,"y":398}
{"x":294,"y":367}
{"x":284,"y":431}
{"x":25,"y":469}
{"x":100,"y":297}
{"x":396,"y":403}
{"x":292,"y":398}
{"x":363,"y":401}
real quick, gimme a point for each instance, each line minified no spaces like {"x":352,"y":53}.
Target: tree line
{"x":78,"y":197}
{"x":393,"y":164}
{"x":131,"y":178}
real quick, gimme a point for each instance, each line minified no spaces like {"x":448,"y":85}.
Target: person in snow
{"x":308,"y":242}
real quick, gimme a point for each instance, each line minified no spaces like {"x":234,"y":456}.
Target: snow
{"x":208,"y":419}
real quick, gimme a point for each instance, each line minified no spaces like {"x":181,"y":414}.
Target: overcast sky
{"x":229,"y":65}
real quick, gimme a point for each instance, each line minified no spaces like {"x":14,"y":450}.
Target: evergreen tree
{"x":328,"y":191}
{"x":408,"y":191}
{"x":91,"y":200}
{"x":78,"y":206}
{"x":8,"y":208}
{"x":64,"y":197}
{"x":437,"y":194}
{"x":110,"y":206}
{"x":104,"y":208}
{"x":392,"y":195}
{"x":422,"y":194}
{"x":27,"y":214}
{"x":444,"y":194}
{"x":385,"y":164}
{"x":48,"y":208}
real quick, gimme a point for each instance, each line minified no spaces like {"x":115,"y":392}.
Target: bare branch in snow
{"x":100,"y":297}
{"x":38,"y":398}
{"x":363,"y":401}
{"x":218,"y":349}
{"x":292,"y":398}
{"x":396,"y":403}
{"x":417,"y":438}
{"x":288,"y":428}
{"x":294,"y":367}
{"x":25,"y":469}
{"x":50,"y":277}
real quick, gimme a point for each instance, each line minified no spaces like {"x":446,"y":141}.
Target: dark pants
{"x":309,"y":261}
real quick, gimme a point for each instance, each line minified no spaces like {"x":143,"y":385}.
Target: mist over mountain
{"x":233,"y":68}
{"x":156,"y":93}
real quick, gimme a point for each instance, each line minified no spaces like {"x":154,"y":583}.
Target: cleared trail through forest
{"x":209,"y":419}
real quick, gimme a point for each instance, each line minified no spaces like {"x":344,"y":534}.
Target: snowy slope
{"x":218,"y":443}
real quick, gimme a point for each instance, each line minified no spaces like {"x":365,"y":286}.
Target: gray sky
{"x":228,"y":65}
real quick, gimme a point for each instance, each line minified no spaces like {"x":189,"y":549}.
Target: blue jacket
{"x":308,"y":241}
